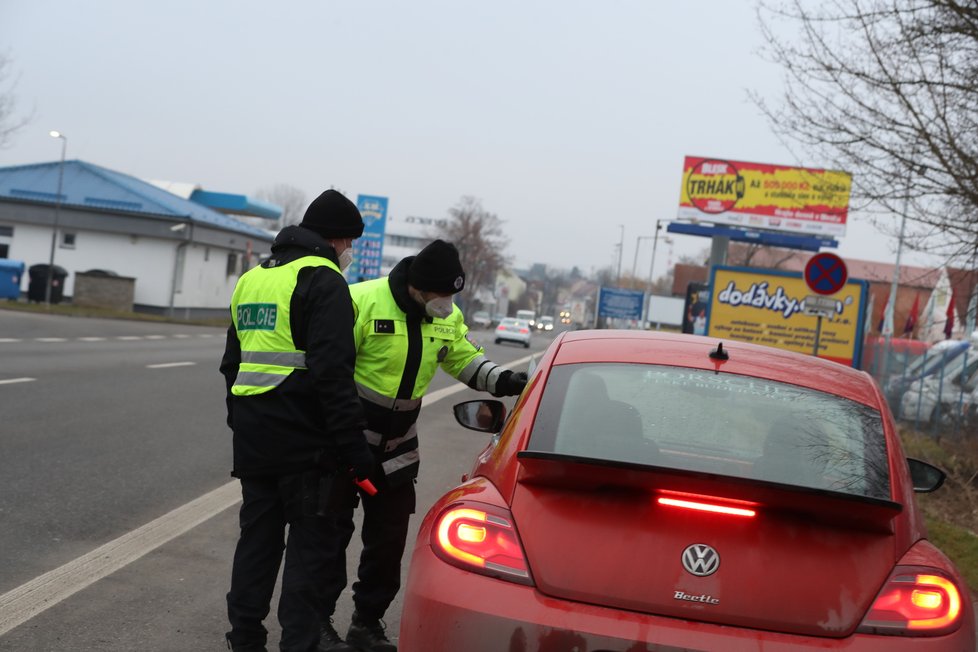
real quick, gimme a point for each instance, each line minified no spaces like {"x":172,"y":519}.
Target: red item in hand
{"x":366,"y":485}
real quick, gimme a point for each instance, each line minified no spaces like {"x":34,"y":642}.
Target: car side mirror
{"x":482,"y":415}
{"x":925,"y":477}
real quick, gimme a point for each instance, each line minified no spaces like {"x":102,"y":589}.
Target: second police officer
{"x":406,"y":328}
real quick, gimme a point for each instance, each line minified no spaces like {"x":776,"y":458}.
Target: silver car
{"x":513,"y":330}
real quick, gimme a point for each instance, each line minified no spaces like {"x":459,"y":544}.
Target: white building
{"x":185,"y":257}
{"x":407,"y":236}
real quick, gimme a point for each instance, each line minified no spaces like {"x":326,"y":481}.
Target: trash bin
{"x":11,"y":271}
{"x":39,"y":280}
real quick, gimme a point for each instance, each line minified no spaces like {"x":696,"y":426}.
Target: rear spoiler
{"x":585,"y":474}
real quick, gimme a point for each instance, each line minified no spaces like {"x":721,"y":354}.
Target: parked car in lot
{"x":480,"y":319}
{"x":511,"y":329}
{"x":934,"y":359}
{"x":661,"y":491}
{"x":946,"y":396}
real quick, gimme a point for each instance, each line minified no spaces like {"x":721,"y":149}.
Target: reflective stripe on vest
{"x":260,"y":310}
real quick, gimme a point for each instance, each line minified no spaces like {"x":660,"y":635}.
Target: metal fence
{"x":935,"y":389}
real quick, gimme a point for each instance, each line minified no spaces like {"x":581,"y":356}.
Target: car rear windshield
{"x":724,"y":424}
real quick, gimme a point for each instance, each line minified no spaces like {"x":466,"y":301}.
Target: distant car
{"x":528,"y":316}
{"x":565,"y":317}
{"x":545,"y":323}
{"x":481,"y":319}
{"x":511,"y":329}
{"x":659,"y":491}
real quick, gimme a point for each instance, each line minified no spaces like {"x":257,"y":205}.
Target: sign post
{"x":825,"y":274}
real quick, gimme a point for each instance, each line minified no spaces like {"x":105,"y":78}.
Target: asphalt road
{"x":119,"y":515}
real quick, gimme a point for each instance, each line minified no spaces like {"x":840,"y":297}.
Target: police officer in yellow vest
{"x":406,"y":327}
{"x":297,"y":421}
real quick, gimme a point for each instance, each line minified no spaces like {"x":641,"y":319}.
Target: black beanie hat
{"x":436,"y":268}
{"x":332,"y":215}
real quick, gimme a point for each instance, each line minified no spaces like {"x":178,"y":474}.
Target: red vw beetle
{"x":672,"y":492}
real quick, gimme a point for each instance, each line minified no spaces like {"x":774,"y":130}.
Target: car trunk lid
{"x":807,"y":562}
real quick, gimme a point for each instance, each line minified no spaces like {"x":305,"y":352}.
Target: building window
{"x":207,"y":254}
{"x":6,"y":231}
{"x":4,"y":251}
{"x":68,"y":240}
{"x":232,"y":264}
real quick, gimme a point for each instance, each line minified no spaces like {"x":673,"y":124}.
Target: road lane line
{"x":155,"y":337}
{"x":129,"y":337}
{"x":180,"y":336}
{"x":165,"y":365}
{"x":91,"y":339}
{"x":8,"y":339}
{"x":30,"y":599}
{"x":50,"y":339}
{"x":11,"y":381}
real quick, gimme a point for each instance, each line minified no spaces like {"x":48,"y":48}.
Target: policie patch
{"x":383,"y":325}
{"x":257,"y":316}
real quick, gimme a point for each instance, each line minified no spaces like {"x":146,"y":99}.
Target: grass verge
{"x":70,"y":310}
{"x":951,"y":512}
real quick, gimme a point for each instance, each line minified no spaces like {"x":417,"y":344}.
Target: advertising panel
{"x":621,"y":304}
{"x":761,"y":196}
{"x":368,"y":249}
{"x":769,"y":307}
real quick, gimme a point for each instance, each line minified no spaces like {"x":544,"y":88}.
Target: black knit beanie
{"x":437,"y":268}
{"x":332,"y":215}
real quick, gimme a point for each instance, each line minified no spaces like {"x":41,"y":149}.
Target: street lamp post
{"x":638,"y":241}
{"x":621,"y":250}
{"x":655,"y":244}
{"x":57,"y":215}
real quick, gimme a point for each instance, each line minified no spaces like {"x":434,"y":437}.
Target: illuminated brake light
{"x":914,"y":602}
{"x":702,"y":503}
{"x":480,"y":541}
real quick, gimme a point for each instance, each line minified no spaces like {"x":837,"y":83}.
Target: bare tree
{"x":887,"y":90}
{"x":290,"y":199}
{"x":481,"y":242}
{"x":10,"y":123}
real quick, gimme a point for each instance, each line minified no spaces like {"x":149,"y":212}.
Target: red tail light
{"x":524,"y":330}
{"x":915,"y":601}
{"x":482,"y":539}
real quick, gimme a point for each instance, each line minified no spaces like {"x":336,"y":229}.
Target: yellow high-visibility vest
{"x":260,"y":309}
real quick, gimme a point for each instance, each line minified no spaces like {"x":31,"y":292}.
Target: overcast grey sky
{"x":565,"y":117}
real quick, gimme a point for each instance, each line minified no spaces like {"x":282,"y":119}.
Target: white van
{"x":528,"y":316}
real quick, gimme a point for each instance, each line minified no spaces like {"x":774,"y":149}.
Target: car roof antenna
{"x":719,"y":356}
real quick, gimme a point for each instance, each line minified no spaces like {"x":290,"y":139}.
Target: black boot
{"x":330,"y":641}
{"x":368,"y":635}
{"x":244,"y":647}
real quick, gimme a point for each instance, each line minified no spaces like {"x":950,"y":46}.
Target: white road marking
{"x":30,"y":599}
{"x":50,"y":339}
{"x":129,"y":337}
{"x":91,"y":339}
{"x":206,"y":335}
{"x":165,"y":365}
{"x":180,"y":336}
{"x":8,"y":339}
{"x":155,"y":337}
{"x":11,"y":381}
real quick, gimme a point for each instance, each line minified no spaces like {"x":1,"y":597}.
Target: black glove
{"x":357,"y":457}
{"x":510,"y":383}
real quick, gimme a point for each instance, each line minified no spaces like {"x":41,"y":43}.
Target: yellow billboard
{"x":767,"y":307}
{"x":762,"y":196}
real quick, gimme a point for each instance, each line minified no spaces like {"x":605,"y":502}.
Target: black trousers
{"x":268,"y":505}
{"x":385,"y":526}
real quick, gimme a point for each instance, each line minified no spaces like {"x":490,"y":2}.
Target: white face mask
{"x":346,"y":258}
{"x":439,"y":307}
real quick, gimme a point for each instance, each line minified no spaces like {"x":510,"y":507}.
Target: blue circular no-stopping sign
{"x":826,"y":273}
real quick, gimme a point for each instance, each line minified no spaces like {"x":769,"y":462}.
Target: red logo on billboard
{"x":714,"y":186}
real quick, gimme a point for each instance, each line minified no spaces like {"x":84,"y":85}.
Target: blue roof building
{"x":185,"y":255}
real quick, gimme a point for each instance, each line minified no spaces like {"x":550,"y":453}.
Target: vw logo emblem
{"x":700,"y":559}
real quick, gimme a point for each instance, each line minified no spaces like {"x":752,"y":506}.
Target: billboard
{"x":619,"y":303}
{"x":368,"y":249}
{"x":761,"y":196}
{"x":768,"y":307}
